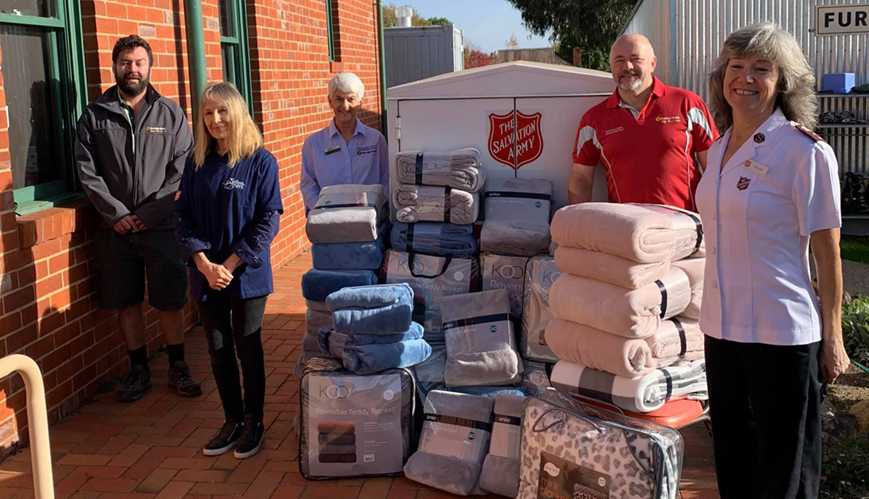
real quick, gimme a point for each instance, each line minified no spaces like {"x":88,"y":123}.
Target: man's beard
{"x":130,"y":88}
{"x":632,"y":85}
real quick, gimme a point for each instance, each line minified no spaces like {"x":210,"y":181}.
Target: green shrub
{"x":855,"y":326}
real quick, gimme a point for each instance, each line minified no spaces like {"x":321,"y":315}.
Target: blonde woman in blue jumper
{"x":228,"y":213}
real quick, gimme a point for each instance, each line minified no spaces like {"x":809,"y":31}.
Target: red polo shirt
{"x":649,"y":158}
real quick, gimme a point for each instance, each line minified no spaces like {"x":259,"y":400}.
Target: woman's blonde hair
{"x":796,"y":81}
{"x":244,"y":136}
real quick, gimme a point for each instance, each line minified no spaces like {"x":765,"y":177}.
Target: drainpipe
{"x":195,"y":52}
{"x":382,"y":55}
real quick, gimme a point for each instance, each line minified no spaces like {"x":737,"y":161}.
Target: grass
{"x":855,"y":249}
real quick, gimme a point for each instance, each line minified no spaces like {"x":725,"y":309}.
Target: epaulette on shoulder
{"x":812,"y":135}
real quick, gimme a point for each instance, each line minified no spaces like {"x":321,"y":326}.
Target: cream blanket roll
{"x":632,"y":313}
{"x":642,"y":233}
{"x":694,"y":269}
{"x":609,"y":268}
{"x":420,"y":203}
{"x":593,"y":348}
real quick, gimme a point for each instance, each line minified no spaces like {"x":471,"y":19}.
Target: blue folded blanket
{"x":374,"y":357}
{"x":328,"y":338}
{"x":490,"y":391}
{"x":318,"y":284}
{"x":383,"y":309}
{"x":440,"y":239}
{"x":348,"y":256}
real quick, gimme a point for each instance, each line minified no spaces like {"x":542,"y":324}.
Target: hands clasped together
{"x":218,"y":275}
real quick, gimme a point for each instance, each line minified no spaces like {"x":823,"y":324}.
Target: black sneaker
{"x":137,"y":382}
{"x":181,"y":380}
{"x":225,"y":439}
{"x":251,"y":440}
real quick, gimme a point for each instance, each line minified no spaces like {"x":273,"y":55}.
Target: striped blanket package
{"x":354,"y":425}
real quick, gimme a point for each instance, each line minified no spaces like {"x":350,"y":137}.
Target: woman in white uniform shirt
{"x":770,"y":191}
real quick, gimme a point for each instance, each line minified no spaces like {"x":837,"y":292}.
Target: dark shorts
{"x":125,"y":260}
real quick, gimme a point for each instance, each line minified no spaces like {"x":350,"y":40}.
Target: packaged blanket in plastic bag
{"x":432,"y":278}
{"x":354,"y":425}
{"x":540,"y":273}
{"x":570,"y":450}
{"x":500,"y":473}
{"x":481,"y":345}
{"x":454,"y":441}
{"x":505,"y":272}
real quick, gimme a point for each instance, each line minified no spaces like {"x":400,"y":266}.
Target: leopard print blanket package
{"x":571,"y":453}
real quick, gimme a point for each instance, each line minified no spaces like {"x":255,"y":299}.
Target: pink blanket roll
{"x":638,"y":232}
{"x":609,"y":268}
{"x":599,"y":350}
{"x":676,"y":340}
{"x":632,"y":313}
{"x":694,"y":269}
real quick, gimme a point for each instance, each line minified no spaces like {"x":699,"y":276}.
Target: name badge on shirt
{"x":331,"y":150}
{"x":755,"y":167}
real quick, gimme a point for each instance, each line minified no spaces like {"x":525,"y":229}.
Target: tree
{"x":591,"y":25}
{"x":511,"y":43}
{"x":390,"y":20}
{"x":439,"y":21}
{"x":475,"y":57}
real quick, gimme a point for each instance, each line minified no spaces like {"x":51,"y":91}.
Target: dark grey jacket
{"x":115,"y":183}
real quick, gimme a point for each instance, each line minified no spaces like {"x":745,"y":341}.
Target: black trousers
{"x":234,"y":325}
{"x":765,"y":402}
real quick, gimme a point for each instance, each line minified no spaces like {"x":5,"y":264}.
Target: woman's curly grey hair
{"x":796,"y":84}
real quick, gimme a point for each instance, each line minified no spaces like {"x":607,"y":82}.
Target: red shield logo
{"x":743,"y":183}
{"x":515,"y":138}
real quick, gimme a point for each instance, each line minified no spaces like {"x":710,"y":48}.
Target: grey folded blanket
{"x":319,"y":306}
{"x":347,"y":214}
{"x":513,"y":237}
{"x":519,"y":200}
{"x":500,"y":473}
{"x":460,"y":169}
{"x":414,"y":203}
{"x":481,"y":346}
{"x":455,"y":436}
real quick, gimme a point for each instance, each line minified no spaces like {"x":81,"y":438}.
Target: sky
{"x":486,"y":23}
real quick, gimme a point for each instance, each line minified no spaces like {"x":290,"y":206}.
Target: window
{"x":330,"y":30}
{"x":44,"y":82}
{"x":234,"y":47}
{"x":333,"y":31}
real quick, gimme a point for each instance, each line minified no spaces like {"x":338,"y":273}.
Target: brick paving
{"x":151,"y":448}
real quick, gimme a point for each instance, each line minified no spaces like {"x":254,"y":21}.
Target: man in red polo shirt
{"x":648,"y":136}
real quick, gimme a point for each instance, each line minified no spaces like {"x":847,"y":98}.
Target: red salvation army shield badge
{"x":743,"y":182}
{"x":515,"y":138}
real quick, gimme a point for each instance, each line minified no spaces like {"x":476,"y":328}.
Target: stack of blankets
{"x":371,"y":329}
{"x":348,"y":227}
{"x":627,"y":306}
{"x":438,"y":186}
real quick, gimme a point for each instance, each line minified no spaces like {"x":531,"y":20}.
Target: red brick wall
{"x":48,"y":307}
{"x":291,"y":70}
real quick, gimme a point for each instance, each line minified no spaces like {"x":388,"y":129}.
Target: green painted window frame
{"x":66,"y":64}
{"x":236,"y":49}
{"x":331,"y":30}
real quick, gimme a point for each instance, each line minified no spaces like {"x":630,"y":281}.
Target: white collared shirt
{"x":758,"y":214}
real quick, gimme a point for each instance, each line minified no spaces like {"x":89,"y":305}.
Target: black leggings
{"x":233,"y":324}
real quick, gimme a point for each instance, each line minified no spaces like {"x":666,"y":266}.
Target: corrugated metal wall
{"x":699,"y":27}
{"x":417,"y":53}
